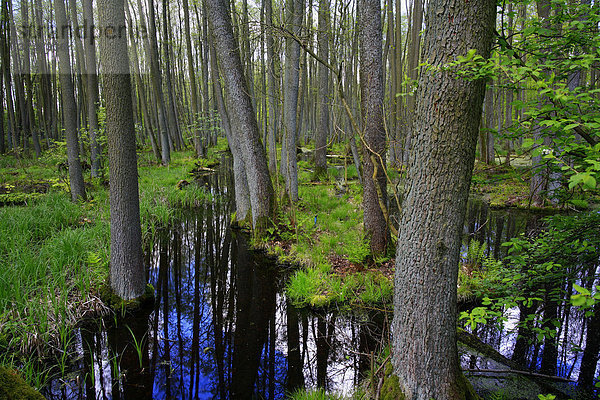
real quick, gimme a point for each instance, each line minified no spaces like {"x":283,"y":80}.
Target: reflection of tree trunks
{"x":322,"y":352}
{"x":295,"y":378}
{"x":498,"y":240}
{"x":177,"y":266}
{"x":590,"y":353}
{"x":136,"y":382}
{"x":165,"y":320}
{"x":219,"y":274}
{"x":255,"y":304}
{"x":194,"y":357}
{"x":272,"y":337}
{"x":370,"y":338}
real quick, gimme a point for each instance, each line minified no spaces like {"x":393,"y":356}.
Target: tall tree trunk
{"x":2,"y":143}
{"x":294,"y":13}
{"x":127,"y":275}
{"x":45,"y":103}
{"x":92,"y":89}
{"x":273,"y":89}
{"x":245,"y":127}
{"x":323,"y":102}
{"x":5,"y":49}
{"x":444,"y":134}
{"x":157,"y":85}
{"x":371,"y":77}
{"x":242,"y":192}
{"x":412,"y":69}
{"x":21,"y":132}
{"x":69,"y":106}
{"x":539,"y":177}
{"x":194,"y":90}
{"x":28,"y":82}
{"x":166,"y":47}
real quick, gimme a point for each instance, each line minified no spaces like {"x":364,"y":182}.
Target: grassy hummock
{"x":323,"y":233}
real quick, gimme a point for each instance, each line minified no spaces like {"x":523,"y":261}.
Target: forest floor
{"x":323,"y":232}
{"x":54,"y":253}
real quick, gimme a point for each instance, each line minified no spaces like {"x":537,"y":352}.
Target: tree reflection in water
{"x":221,"y":326}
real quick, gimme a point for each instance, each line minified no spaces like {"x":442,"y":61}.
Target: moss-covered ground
{"x":323,"y":234}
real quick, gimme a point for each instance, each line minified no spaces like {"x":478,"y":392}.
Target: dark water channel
{"x":559,"y":356}
{"x":221,"y":326}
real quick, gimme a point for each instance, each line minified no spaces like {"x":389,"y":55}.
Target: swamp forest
{"x":329,"y":199}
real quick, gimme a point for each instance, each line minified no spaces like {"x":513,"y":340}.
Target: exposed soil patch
{"x":343,"y":267}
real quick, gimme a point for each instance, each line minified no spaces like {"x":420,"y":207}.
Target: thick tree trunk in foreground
{"x":444,"y":137}
{"x":68,"y":103}
{"x":243,"y":118}
{"x":127,"y":276}
{"x":371,"y":84}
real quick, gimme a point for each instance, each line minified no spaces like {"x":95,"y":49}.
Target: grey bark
{"x":294,"y":14}
{"x":242,"y":193}
{"x":89,"y":46}
{"x":45,"y":85}
{"x":28,"y":82}
{"x":323,"y":102}
{"x":194,"y":89}
{"x":157,"y":85}
{"x":371,"y":77}
{"x":127,"y":276}
{"x":68,"y":103}
{"x":171,"y":112}
{"x":444,"y":134}
{"x":148,"y":113}
{"x":273,"y":89}
{"x":245,"y":127}
{"x":414,"y":51}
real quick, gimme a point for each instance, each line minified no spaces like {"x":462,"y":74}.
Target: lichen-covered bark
{"x":444,"y":136}
{"x":127,"y":276}
{"x":241,"y":113}
{"x":371,"y":85}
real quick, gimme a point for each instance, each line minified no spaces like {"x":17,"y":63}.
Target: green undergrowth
{"x":323,"y":233}
{"x":501,"y":185}
{"x":55,"y":253}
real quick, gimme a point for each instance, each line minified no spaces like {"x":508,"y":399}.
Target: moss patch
{"x":13,"y":387}
{"x":390,"y":390}
{"x":117,"y":304}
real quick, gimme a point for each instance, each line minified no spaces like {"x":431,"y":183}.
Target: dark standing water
{"x":221,"y":326}
{"x":565,"y":352}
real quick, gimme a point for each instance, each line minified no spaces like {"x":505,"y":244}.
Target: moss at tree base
{"x":390,"y":390}
{"x":13,"y":387}
{"x":117,"y":304}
